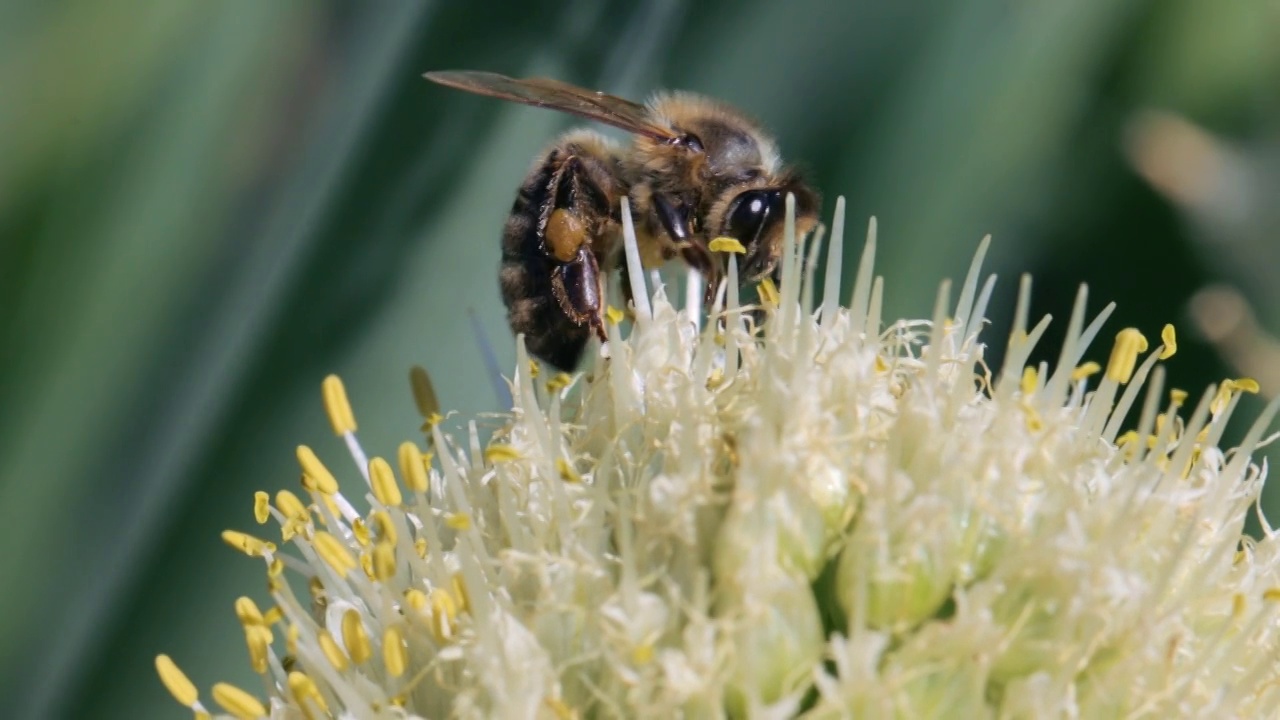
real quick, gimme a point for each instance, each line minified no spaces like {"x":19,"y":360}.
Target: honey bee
{"x":695,"y":170}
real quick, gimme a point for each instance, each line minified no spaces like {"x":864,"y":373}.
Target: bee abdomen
{"x":533,"y":311}
{"x":581,"y":166}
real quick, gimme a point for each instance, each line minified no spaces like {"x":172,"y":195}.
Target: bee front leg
{"x":578,"y":288}
{"x":674,"y":218}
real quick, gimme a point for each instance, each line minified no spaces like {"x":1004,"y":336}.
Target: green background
{"x":206,"y":207}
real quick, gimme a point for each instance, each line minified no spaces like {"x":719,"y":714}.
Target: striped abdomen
{"x":579,"y":176}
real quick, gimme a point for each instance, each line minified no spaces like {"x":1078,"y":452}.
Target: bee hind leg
{"x":578,"y":289}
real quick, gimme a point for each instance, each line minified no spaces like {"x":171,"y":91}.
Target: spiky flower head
{"x":820,"y":515}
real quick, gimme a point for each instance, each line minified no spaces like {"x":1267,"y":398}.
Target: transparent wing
{"x":556,"y":95}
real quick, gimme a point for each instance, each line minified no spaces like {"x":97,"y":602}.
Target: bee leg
{"x":568,"y":223}
{"x":675,"y":220}
{"x":578,"y":290}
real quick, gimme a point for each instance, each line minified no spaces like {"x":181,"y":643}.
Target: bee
{"x":696,"y":169}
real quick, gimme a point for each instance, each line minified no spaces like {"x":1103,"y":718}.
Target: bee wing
{"x":556,"y":95}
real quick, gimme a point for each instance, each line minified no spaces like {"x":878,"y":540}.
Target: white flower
{"x":822,"y":517}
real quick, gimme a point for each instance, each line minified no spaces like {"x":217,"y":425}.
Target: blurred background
{"x":206,"y":207}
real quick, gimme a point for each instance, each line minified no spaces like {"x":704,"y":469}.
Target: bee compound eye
{"x":747,"y":215}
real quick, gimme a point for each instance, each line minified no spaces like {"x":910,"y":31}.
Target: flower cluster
{"x":798,"y":510}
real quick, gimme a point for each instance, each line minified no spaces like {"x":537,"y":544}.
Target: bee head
{"x":756,"y":218}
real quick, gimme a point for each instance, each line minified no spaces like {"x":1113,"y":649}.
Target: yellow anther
{"x":560,"y":708}
{"x":416,"y":599}
{"x":726,"y":244}
{"x":304,"y":690}
{"x":460,"y":593}
{"x":1245,"y":384}
{"x":1127,"y":438}
{"x":275,"y":568}
{"x":1124,"y":355}
{"x":246,"y":543}
{"x":642,"y":654}
{"x":432,"y":420}
{"x":1177,"y":397}
{"x":261,"y":507}
{"x":337,"y":406}
{"x":769,"y":293}
{"x":498,"y":453}
{"x":290,"y":506}
{"x":1085,"y":370}
{"x":444,"y":613}
{"x":366,"y":564}
{"x":715,"y":378}
{"x":1228,"y":388}
{"x":384,"y":561}
{"x":1029,"y":380}
{"x":614,"y":315}
{"x":248,"y":613}
{"x":258,"y":639}
{"x":424,"y":393}
{"x":334,"y":553}
{"x":361,"y":532}
{"x":383,"y":527}
{"x":1034,"y":422}
{"x":534,"y":369}
{"x":383,"y":482}
{"x":394,"y":653}
{"x":291,"y":635}
{"x":420,"y":547}
{"x":238,"y":702}
{"x":458,"y":521}
{"x":272,"y":616}
{"x":412,"y":467}
{"x":1271,"y":595}
{"x":176,"y":682}
{"x":567,"y":471}
{"x":559,"y":382}
{"x":315,"y":470}
{"x":881,"y":365}
{"x":1169,"y":342}
{"x":332,"y":652}
{"x":1238,"y":605}
{"x":355,"y":638}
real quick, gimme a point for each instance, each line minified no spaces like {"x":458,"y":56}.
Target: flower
{"x":789,"y":512}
